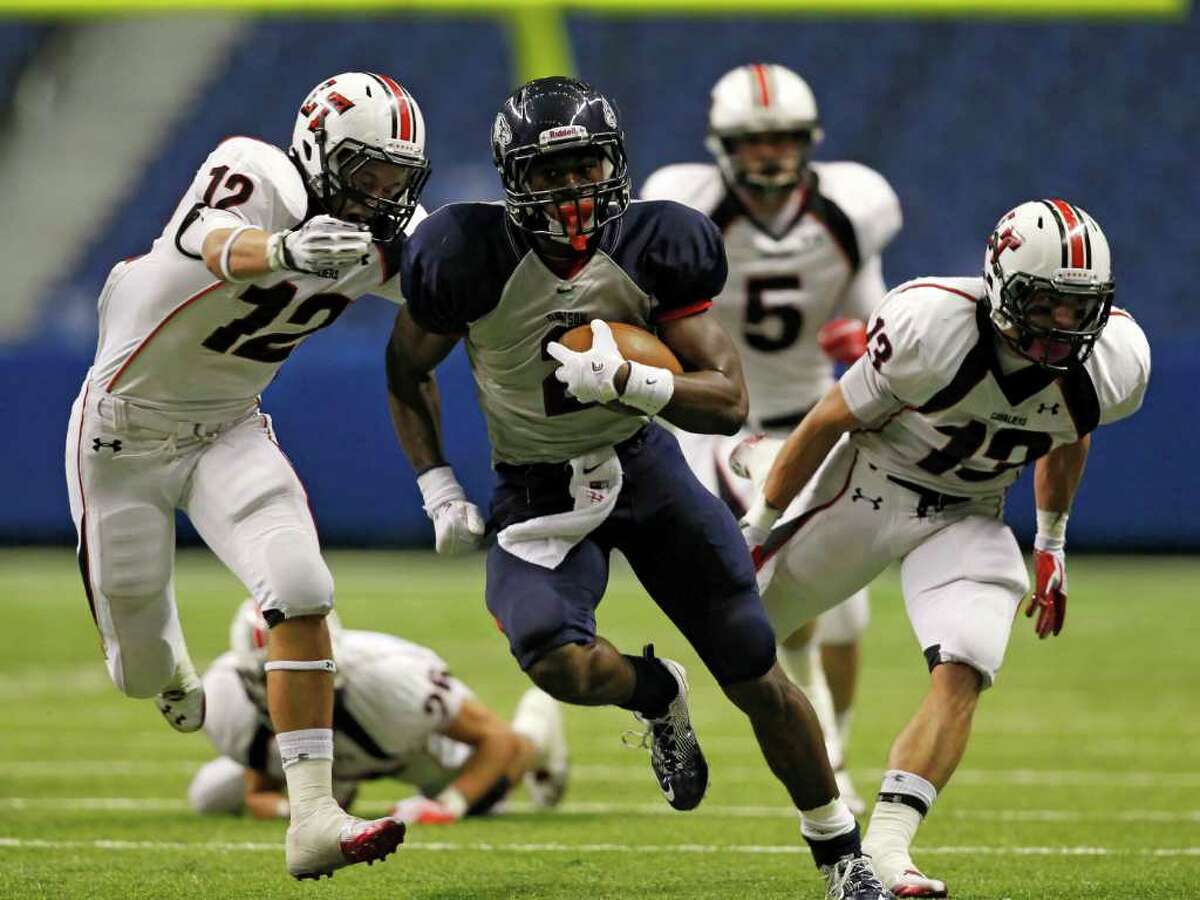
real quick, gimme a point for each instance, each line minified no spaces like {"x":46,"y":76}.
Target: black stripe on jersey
{"x":1062,"y":230}
{"x":192,"y":216}
{"x":1082,"y":401}
{"x":256,"y":754}
{"x":352,"y":728}
{"x":839,"y":225}
{"x":1087,"y":238}
{"x":728,"y":210}
{"x":383,"y":87}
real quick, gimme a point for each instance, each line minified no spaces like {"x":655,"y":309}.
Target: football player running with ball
{"x":398,"y":713}
{"x":582,"y":470}
{"x":264,"y":249}
{"x":804,"y":241}
{"x":965,"y":382}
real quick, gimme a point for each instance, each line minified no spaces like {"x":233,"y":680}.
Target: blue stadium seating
{"x":965,"y":119}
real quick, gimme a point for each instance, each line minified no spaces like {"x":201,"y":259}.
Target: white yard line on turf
{"x":159,"y":804}
{"x":228,"y":846}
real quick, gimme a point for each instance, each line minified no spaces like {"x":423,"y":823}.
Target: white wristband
{"x":761,"y":514}
{"x":453,"y":800}
{"x":223,"y":261}
{"x":438,"y":486}
{"x":1051,"y":530}
{"x":648,"y":388}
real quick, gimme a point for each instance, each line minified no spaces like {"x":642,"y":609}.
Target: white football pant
{"x":962,"y":573}
{"x":127,"y":473}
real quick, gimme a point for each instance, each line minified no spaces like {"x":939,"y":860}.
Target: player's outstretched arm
{"x":499,"y":759}
{"x":321,"y":246}
{"x":1056,"y":477}
{"x":798,"y":460}
{"x":710,"y":397}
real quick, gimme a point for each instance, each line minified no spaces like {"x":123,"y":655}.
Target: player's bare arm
{"x":265,"y":798}
{"x":1055,"y":479}
{"x":806,"y":448}
{"x":711,"y":396}
{"x":501,"y":755}
{"x":412,"y":355}
{"x":413,"y":401}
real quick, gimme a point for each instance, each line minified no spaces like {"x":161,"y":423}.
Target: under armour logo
{"x":1051,"y":408}
{"x":875,"y":502}
{"x":597,"y":367}
{"x":114,"y":444}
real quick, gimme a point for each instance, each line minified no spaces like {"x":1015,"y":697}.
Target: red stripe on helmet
{"x":404,"y":105}
{"x":764,"y":90}
{"x":1075,"y":231}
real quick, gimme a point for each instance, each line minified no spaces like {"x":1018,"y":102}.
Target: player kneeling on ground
{"x":398,"y":713}
{"x":966,"y":381}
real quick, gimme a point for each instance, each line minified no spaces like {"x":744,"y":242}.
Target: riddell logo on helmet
{"x":561,"y":134}
{"x":1074,"y":276}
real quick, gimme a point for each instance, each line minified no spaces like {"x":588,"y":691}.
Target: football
{"x":635,"y":343}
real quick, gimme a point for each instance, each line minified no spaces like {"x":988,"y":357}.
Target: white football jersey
{"x":948,"y":405}
{"x":786,"y":279}
{"x":176,"y":338}
{"x":393,"y":700}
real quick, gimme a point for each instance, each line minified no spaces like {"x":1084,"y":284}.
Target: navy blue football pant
{"x":682,"y":542}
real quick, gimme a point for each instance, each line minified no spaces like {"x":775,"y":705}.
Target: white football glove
{"x":589,"y":375}
{"x":756,"y":525}
{"x":457,"y":523}
{"x":322,"y":246}
{"x":421,"y":810}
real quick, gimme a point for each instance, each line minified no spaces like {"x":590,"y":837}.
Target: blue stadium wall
{"x":965,"y":119}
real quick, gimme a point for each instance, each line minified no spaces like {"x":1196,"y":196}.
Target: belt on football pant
{"x":929,"y":499}
{"x":125,"y":414}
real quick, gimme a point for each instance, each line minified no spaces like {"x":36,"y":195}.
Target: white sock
{"x":844,"y":719}
{"x":904,"y":800}
{"x":186,"y":677}
{"x":828,"y":821}
{"x":803,"y":666}
{"x":529,"y":722}
{"x":308,"y":767}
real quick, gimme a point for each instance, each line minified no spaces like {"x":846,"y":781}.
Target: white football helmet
{"x":1048,"y":250}
{"x":760,"y":98}
{"x":248,"y":633}
{"x":345,"y":122}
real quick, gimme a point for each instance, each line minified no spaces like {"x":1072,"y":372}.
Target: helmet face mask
{"x":762,"y":127}
{"x":359,"y":122}
{"x":1048,"y":273}
{"x":558,"y":146}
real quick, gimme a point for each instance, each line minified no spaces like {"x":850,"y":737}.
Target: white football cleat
{"x":901,"y":876}
{"x":849,"y":794}
{"x":328,"y":839}
{"x":539,"y":717}
{"x":182,"y":702}
{"x":753,"y":456}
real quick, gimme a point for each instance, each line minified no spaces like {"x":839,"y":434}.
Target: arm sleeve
{"x":900,"y":367}
{"x":448,"y":275}
{"x":865,"y":290}
{"x":684,"y":263}
{"x":1121,"y":377}
{"x":243,"y":182}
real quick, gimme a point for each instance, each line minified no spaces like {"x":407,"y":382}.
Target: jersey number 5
{"x":776,"y":327}
{"x":267,"y":304}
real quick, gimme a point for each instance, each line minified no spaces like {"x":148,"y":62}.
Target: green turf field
{"x":1083,"y":779}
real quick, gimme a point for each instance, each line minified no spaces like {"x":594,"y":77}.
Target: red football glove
{"x":1049,"y":598}
{"x":420,"y":810}
{"x":843,"y":340}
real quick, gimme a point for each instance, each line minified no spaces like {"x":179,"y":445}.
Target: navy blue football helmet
{"x":546,"y":116}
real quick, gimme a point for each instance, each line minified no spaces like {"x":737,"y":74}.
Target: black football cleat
{"x":853,"y":878}
{"x":675,"y":756}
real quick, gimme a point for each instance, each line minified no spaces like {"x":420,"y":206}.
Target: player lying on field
{"x":966,"y":381}
{"x":398,"y":713}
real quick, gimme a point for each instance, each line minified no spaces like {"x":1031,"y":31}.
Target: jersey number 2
{"x":965,"y":440}
{"x":770,"y":329}
{"x":267,"y":304}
